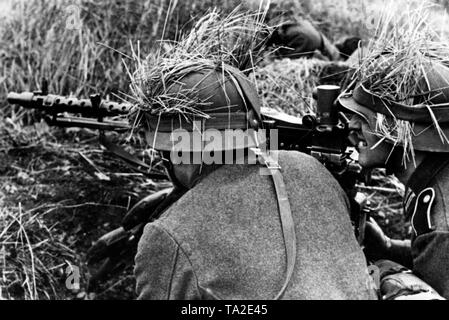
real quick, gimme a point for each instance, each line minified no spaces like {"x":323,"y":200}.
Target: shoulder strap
{"x":285,"y":213}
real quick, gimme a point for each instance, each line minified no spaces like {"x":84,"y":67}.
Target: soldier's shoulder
{"x":295,"y":155}
{"x":301,"y":161}
{"x":442,"y":178}
{"x":440,"y":183}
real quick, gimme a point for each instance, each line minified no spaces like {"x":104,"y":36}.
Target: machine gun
{"x":322,"y":135}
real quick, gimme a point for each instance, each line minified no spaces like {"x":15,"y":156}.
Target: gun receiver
{"x":323,"y":135}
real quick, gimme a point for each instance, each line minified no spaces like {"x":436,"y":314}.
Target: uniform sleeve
{"x":162,"y":270}
{"x":431,"y":260}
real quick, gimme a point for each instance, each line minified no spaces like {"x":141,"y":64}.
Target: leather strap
{"x":285,"y":213}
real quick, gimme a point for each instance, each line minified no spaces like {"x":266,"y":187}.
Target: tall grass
{"x":287,"y":85}
{"x":35,"y":41}
{"x":405,"y":52}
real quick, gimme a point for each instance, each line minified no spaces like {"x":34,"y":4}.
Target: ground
{"x":56,"y":207}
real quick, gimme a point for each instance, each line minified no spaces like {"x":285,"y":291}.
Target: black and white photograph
{"x":240,"y":151}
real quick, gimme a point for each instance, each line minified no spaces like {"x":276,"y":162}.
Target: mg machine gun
{"x":322,"y":135}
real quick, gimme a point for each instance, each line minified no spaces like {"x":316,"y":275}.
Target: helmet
{"x":427,"y":111}
{"x":226,"y":101}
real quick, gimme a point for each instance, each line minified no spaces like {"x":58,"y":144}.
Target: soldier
{"x":301,"y":39}
{"x":294,"y":36}
{"x":408,"y":137}
{"x":238,"y":233}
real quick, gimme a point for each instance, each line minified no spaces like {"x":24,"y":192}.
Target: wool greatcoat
{"x":223,"y":239}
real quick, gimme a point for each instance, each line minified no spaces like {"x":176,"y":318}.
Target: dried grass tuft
{"x":32,"y":260}
{"x":287,"y":85}
{"x":216,"y":42}
{"x":398,"y":57}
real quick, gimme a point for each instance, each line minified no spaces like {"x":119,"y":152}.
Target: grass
{"x":52,"y":206}
{"x":217,"y":42}
{"x":286,"y":85}
{"x":35,"y":42}
{"x":30,"y":241}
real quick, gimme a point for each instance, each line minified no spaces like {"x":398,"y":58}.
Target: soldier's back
{"x":227,"y":238}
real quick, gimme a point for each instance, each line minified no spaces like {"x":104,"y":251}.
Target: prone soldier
{"x":295,"y":36}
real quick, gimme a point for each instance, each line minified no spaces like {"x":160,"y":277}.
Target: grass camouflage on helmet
{"x":401,"y":86}
{"x":200,"y":82}
{"x":228,"y":102}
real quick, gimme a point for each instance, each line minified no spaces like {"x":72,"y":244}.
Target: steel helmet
{"x":226,"y":101}
{"x":428,"y":112}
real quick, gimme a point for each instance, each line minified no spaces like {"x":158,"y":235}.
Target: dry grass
{"x":287,"y":85}
{"x":53,"y":207}
{"x":33,"y":259}
{"x":35,"y":42}
{"x":216,"y":42}
{"x":336,"y":19}
{"x":404,"y":50}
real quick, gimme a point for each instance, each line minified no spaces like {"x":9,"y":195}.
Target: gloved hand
{"x":376,"y":243}
{"x":399,"y":283}
{"x":379,"y":246}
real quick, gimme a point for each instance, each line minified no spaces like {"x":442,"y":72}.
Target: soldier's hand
{"x":376,"y":243}
{"x":399,"y":283}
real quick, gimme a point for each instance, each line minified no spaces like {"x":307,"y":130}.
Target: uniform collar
{"x":429,"y":168}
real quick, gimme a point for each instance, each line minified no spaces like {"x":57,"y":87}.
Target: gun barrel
{"x":57,"y":104}
{"x":20,"y":98}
